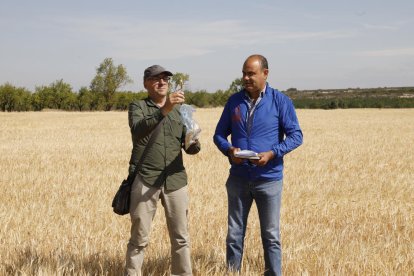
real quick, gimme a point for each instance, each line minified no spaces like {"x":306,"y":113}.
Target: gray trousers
{"x":144,"y":200}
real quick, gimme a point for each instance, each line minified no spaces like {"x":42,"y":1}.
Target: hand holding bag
{"x":122,"y":198}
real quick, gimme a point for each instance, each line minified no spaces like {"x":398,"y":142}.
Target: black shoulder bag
{"x":122,"y":198}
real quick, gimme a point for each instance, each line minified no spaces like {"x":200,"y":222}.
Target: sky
{"x":308,"y":44}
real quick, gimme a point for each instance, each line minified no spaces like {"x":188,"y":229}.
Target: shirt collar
{"x":260,"y":95}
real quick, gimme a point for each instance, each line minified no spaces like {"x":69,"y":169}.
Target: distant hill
{"x":383,"y":97}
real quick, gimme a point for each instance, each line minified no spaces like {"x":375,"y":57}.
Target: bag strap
{"x":151,"y":140}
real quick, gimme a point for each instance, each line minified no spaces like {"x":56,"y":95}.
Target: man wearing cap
{"x":161,"y":173}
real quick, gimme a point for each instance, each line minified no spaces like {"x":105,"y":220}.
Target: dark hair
{"x":262,"y":60}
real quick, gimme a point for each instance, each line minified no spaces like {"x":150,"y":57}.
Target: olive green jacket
{"x":163,"y":163}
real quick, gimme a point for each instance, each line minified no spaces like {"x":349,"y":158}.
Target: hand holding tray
{"x":246,"y":154}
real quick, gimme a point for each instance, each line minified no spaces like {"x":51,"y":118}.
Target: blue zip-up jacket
{"x":275,"y":127}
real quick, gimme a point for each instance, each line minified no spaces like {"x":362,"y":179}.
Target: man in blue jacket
{"x":263,"y":120}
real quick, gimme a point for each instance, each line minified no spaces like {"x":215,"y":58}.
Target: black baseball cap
{"x":155,"y":70}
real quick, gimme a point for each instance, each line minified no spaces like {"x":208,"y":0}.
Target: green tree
{"x":87,"y":100}
{"x":23,"y":101}
{"x":235,"y":86}
{"x":109,"y":78}
{"x":201,"y":98}
{"x":7,"y":97}
{"x":14,"y":99}
{"x":62,"y":95}
{"x":219,"y":98}
{"x":58,"y":95}
{"x":42,"y":98}
{"x":123,"y":99}
{"x":178,"y":80}
{"x":82,"y":100}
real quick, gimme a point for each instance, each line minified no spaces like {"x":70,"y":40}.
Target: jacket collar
{"x":265,"y":92}
{"x":150,"y":102}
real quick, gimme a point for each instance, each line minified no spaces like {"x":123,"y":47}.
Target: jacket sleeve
{"x":140,"y":124}
{"x":223,"y":130}
{"x":289,"y":123}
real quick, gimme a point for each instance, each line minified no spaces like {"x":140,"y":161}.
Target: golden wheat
{"x":348,"y":199}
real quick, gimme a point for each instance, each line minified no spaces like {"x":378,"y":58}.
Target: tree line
{"x":382,"y":97}
{"x":103,"y":95}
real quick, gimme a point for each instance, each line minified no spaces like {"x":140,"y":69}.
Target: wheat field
{"x":347,"y":207}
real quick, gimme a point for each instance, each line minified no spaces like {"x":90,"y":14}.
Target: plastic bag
{"x":193,"y":129}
